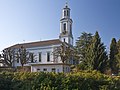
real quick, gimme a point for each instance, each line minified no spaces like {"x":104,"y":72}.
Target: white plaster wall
{"x":43,"y":51}
{"x":66,"y":39}
{"x":68,"y":27}
{"x":71,"y":41}
{"x":44,"y":64}
{"x":58,"y":68}
{"x":61,"y":27}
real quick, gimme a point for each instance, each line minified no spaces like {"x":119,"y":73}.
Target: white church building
{"x":43,"y":49}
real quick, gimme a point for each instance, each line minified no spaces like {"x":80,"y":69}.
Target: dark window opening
{"x":64,"y":39}
{"x":38,"y":70}
{"x":67,"y":13}
{"x":70,"y":29}
{"x":64,"y":13}
{"x":31,"y":57}
{"x":48,"y":56}
{"x":17,"y":60}
{"x":40,"y":57}
{"x":44,"y":69}
{"x":64,"y":26}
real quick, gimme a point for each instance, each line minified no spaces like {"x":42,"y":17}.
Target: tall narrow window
{"x":67,"y":13}
{"x":64,"y":39}
{"x":48,"y":56}
{"x":64,"y":13}
{"x":70,"y":29}
{"x":31,"y":57}
{"x":64,"y":26}
{"x":39,"y":56}
{"x":17,"y":60}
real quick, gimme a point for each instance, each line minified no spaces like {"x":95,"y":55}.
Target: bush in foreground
{"x":83,"y":80}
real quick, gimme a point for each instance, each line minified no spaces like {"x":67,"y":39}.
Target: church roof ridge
{"x":37,"y":43}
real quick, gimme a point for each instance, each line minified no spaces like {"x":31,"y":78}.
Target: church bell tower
{"x":66,"y":26}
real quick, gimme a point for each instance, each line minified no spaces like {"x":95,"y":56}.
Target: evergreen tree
{"x":96,"y":56}
{"x":113,"y":56}
{"x":82,"y":44}
{"x":118,"y":55}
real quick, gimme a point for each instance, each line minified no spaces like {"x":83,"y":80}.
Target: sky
{"x":23,"y":21}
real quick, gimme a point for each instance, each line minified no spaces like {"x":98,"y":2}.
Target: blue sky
{"x":34,"y":20}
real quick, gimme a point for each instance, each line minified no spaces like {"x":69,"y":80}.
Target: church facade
{"x":43,"y":50}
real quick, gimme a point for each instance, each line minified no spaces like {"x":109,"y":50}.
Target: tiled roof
{"x":37,"y":44}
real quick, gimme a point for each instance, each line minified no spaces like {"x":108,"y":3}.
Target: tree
{"x":118,"y":55}
{"x":96,"y":56}
{"x":82,"y":44}
{"x":113,"y":54}
{"x":24,"y":57}
{"x":7,"y":57}
{"x":1,"y":59}
{"x":118,"y":61}
{"x":63,"y":52}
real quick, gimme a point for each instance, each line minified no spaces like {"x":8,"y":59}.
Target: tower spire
{"x":66,"y":25}
{"x":66,"y":4}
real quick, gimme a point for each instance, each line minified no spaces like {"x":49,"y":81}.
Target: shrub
{"x":83,"y":80}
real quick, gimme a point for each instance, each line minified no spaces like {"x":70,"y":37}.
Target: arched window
{"x":48,"y":56}
{"x":64,"y":39}
{"x":64,"y":26}
{"x":70,"y":29}
{"x":64,"y":13}
{"x":67,"y":13}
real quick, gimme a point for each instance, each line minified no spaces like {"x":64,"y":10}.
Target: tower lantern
{"x":66,"y":26}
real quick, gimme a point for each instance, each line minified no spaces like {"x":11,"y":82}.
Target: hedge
{"x":83,"y":80}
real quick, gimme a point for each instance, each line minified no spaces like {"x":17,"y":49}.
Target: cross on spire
{"x":66,"y":4}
